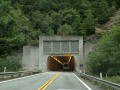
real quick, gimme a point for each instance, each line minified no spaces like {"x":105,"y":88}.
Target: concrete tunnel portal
{"x":54,"y":53}
{"x":61,"y":63}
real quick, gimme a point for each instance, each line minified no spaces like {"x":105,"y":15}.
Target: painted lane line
{"x":44,"y":86}
{"x":45,"y":83}
{"x":50,"y":82}
{"x":82,"y":82}
{"x":21,"y":78}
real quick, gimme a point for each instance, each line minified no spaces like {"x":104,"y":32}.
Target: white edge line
{"x":82,"y":82}
{"x":21,"y":78}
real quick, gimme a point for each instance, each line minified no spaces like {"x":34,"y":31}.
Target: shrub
{"x":106,"y":56}
{"x":12,"y":65}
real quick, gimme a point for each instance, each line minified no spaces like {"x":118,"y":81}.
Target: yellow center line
{"x":44,"y":86}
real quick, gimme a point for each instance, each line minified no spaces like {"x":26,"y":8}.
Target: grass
{"x":115,"y":79}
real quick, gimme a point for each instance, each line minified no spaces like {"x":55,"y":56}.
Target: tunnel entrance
{"x":61,"y":63}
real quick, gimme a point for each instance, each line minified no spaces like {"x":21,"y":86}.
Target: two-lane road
{"x":68,"y":81}
{"x":59,"y":81}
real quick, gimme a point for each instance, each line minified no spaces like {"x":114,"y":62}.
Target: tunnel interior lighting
{"x":61,"y":63}
{"x":57,"y":60}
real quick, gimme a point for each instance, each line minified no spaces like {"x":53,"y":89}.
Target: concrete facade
{"x":35,"y":58}
{"x":30,"y":59}
{"x":88,"y":47}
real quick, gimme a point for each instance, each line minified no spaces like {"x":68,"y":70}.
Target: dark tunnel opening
{"x":61,"y":63}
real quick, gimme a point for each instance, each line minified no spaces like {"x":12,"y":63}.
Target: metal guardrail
{"x":112,"y":85}
{"x":4,"y":73}
{"x":9,"y":75}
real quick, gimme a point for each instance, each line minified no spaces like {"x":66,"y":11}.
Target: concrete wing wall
{"x":30,"y":58}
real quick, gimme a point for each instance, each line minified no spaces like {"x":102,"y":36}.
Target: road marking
{"x":21,"y":78}
{"x":82,"y":82}
{"x":44,"y":86}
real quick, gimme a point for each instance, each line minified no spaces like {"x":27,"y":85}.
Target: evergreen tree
{"x":65,"y":30}
{"x":101,"y":11}
{"x":89,"y":22}
{"x":77,"y":27}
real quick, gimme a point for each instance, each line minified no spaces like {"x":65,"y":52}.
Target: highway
{"x":48,"y":81}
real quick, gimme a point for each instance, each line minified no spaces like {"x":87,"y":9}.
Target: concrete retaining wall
{"x":30,"y":58}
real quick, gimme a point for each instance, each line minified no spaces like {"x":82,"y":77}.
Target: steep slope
{"x":107,"y":26}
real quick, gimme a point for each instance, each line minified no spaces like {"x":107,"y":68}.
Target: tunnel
{"x":61,"y":63}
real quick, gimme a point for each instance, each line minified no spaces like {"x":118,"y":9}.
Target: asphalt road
{"x":62,"y":81}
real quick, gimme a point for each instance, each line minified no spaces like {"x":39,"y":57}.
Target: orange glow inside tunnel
{"x":61,"y":63}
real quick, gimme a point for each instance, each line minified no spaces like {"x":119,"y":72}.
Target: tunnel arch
{"x":61,"y":63}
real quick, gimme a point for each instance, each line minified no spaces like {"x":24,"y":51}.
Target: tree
{"x":56,"y":21}
{"x":14,"y":27}
{"x":77,"y":27}
{"x":89,"y":22}
{"x":36,"y":19}
{"x":106,"y":56}
{"x":65,"y":30}
{"x":101,"y":11}
{"x":68,"y":15}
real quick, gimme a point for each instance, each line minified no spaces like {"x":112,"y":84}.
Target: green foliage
{"x":101,"y":11}
{"x":89,"y":22}
{"x":12,"y":65}
{"x":68,"y":15}
{"x":15,"y":28}
{"x":65,"y":30}
{"x":106,"y":56}
{"x":22,"y":21}
{"x":115,"y":79}
{"x":3,"y":64}
{"x":56,"y":21}
{"x":78,"y":27}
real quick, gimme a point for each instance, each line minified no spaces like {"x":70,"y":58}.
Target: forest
{"x":23,"y":21}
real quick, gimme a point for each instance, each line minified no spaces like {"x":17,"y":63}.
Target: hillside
{"x":23,"y":21}
{"x":105,"y":57}
{"x":114,"y":20}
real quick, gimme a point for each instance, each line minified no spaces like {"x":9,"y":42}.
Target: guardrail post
{"x":100,"y":75}
{"x":106,"y":75}
{"x":4,"y":69}
{"x":84,"y":71}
